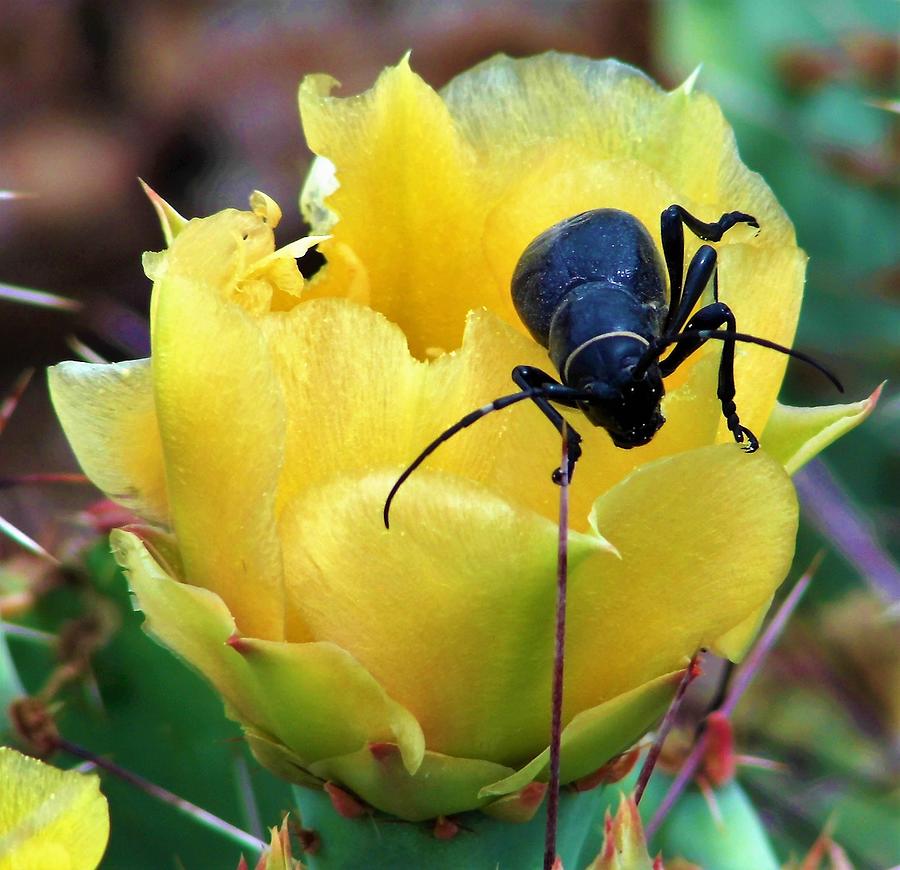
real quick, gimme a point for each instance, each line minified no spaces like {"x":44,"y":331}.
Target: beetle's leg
{"x":528,"y":377}
{"x":702,"y":267}
{"x":559,"y":392}
{"x":712,"y":317}
{"x":672,"y":223}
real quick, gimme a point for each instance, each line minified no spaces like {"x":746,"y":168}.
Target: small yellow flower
{"x":412,"y":666}
{"x":49,"y":817}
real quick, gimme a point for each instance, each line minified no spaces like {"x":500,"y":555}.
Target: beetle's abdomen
{"x":603,"y":246}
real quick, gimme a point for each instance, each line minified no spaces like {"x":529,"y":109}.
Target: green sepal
{"x":440,"y":786}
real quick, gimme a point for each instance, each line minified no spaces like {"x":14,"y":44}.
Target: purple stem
{"x":742,"y":680}
{"x":11,"y":399}
{"x":26,"y":296}
{"x":665,"y":727}
{"x":558,"y":657}
{"x":761,"y":649}
{"x":204,"y":817}
{"x":830,"y":510}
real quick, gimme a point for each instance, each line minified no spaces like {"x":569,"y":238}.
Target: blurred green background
{"x":198,"y":98}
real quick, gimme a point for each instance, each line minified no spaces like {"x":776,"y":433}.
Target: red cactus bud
{"x":519,"y":807}
{"x":308,"y":840}
{"x":239,"y":644}
{"x":614,"y":770}
{"x":533,"y":794}
{"x":444,"y":828}
{"x":104,"y":515}
{"x":719,"y":761}
{"x":383,"y":751}
{"x":344,"y":803}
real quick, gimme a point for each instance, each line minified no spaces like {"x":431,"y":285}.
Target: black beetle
{"x":592,"y":290}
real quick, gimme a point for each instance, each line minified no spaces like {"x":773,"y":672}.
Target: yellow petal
{"x":398,"y":157}
{"x":265,"y":683}
{"x":451,"y":610}
{"x":796,"y":435}
{"x":400,"y":404}
{"x":705,"y":538}
{"x":514,"y":146}
{"x":342,"y":705}
{"x":221,"y":418}
{"x":49,"y":817}
{"x":108,"y":415}
{"x":735,"y":643}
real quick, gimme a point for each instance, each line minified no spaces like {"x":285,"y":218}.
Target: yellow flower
{"x":412,"y":666}
{"x":49,"y":817}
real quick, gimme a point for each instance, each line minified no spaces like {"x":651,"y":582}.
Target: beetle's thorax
{"x":599,"y":321}
{"x":594,"y":351}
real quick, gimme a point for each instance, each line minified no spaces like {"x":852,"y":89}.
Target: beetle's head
{"x":625,"y":401}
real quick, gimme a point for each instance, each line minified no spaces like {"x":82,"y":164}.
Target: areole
{"x":616,"y":334}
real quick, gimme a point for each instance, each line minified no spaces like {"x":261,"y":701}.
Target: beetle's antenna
{"x":468,"y":420}
{"x":655,"y":350}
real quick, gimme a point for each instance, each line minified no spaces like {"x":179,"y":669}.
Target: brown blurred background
{"x":199,"y":99}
